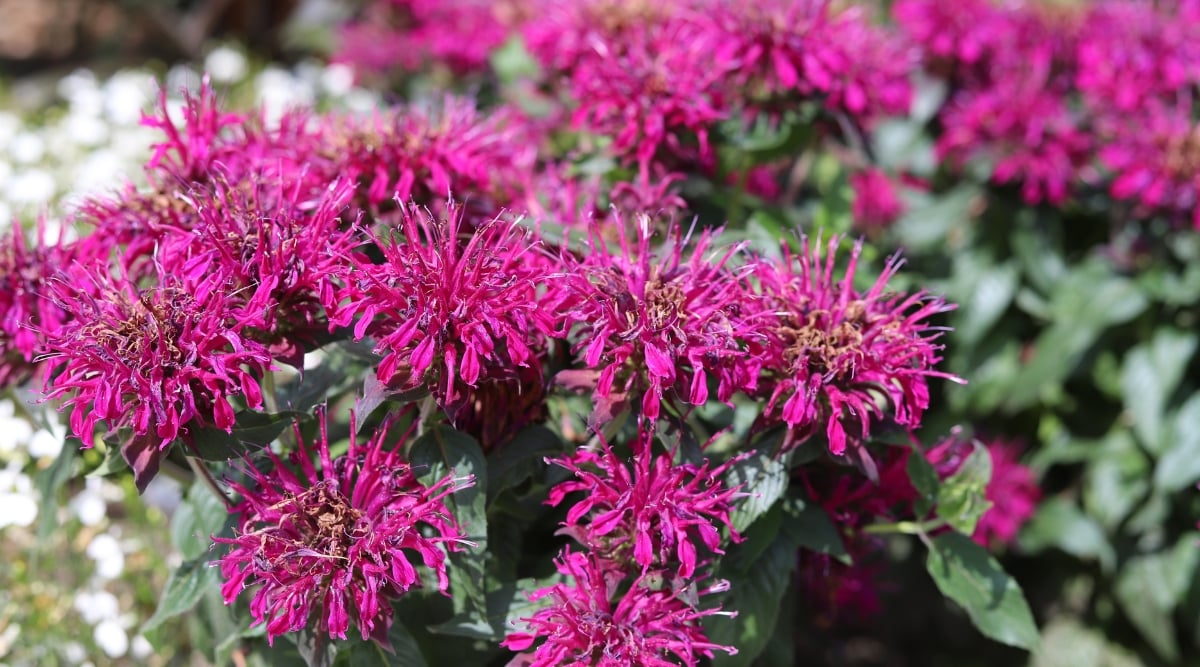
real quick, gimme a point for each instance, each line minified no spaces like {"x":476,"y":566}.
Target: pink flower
{"x":155,"y":361}
{"x":27,"y":314}
{"x":595,"y":621}
{"x":1013,"y":491}
{"x":834,"y":352}
{"x":1155,"y":159}
{"x":449,"y":307}
{"x":875,"y":201}
{"x":653,"y":321}
{"x":807,"y":49}
{"x":425,"y":153}
{"x":334,"y":540}
{"x":281,"y":244}
{"x":410,"y":34}
{"x":960,"y":31}
{"x":651,"y":514}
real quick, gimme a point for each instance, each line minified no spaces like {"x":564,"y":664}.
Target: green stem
{"x":203,"y":474}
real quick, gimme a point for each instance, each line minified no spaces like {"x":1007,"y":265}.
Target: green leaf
{"x":986,"y":290}
{"x":756,"y":592}
{"x":961,"y":499}
{"x":440,"y":452}
{"x":817,"y":532}
{"x":927,"y":227}
{"x":49,"y":481}
{"x":924,"y":480}
{"x":507,"y":604}
{"x":518,"y":460}
{"x":185,"y":586}
{"x":1179,"y":466}
{"x":317,"y":648}
{"x":764,"y":477}
{"x":251,"y":430}
{"x":967,"y":574}
{"x":1061,"y":524}
{"x":402,"y":649}
{"x":1149,"y":588}
{"x":1116,"y":480}
{"x":1150,"y":374}
{"x":200,"y":516}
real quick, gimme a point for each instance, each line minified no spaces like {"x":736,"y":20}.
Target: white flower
{"x":106,"y":551}
{"x":14,"y":431}
{"x":141,"y":648}
{"x":225,"y":65}
{"x":45,"y":444}
{"x":111,"y":638}
{"x":31,"y":186}
{"x":17,"y":509}
{"x":26,"y":148}
{"x":338,"y":79}
{"x":96,"y":606}
{"x":126,"y":95}
{"x":85,"y":129}
{"x":89,"y":504}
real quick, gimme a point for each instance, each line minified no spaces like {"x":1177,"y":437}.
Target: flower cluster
{"x":648,"y":530}
{"x":335,"y":534}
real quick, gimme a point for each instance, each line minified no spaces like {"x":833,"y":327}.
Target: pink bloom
{"x":653,"y":322}
{"x":27,"y":314}
{"x":808,"y":49}
{"x":187,"y":152}
{"x":281,"y":245}
{"x":157,"y":360}
{"x":1155,"y":160}
{"x":875,"y":201}
{"x":423,"y":154}
{"x":1013,"y":491}
{"x":960,"y":31}
{"x":834,"y":352}
{"x":410,"y":34}
{"x":449,"y":307}
{"x":334,"y":540}
{"x":596,"y":622}
{"x":836,"y":593}
{"x":1029,"y":133}
{"x":651,"y":514}
{"x":130,"y":225}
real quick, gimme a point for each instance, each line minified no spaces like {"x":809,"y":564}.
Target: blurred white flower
{"x":127,"y":94}
{"x":111,"y":638}
{"x":140,"y":648}
{"x":80,"y":82}
{"x":10,"y":124}
{"x":226,"y":65}
{"x":17,"y":509}
{"x":26,"y":148}
{"x":30,"y":186}
{"x":89,"y":504}
{"x":96,"y":606}
{"x":74,"y":652}
{"x":45,"y":444}
{"x":14,"y":431}
{"x":106,"y":551}
{"x":338,"y":79}
{"x":278,"y":90}
{"x":84,"y":129}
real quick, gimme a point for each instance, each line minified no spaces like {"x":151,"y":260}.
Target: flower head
{"x":875,"y":201}
{"x":334,"y":538}
{"x":835,"y":351}
{"x":449,"y":307}
{"x":652,"y":513}
{"x":595,"y":621}
{"x":153,"y":360}
{"x":655,"y":321}
{"x":27,"y":315}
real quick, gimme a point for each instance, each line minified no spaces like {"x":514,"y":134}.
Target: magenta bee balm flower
{"x":652,"y":513}
{"x":597,"y":622}
{"x":156,"y":361}
{"x":835,"y":352}
{"x":334,"y":538}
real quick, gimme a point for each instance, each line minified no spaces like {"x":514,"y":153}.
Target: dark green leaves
{"x":184,"y":589}
{"x":961,"y":500}
{"x":967,"y":574}
{"x":251,"y":431}
{"x":444,"y":451}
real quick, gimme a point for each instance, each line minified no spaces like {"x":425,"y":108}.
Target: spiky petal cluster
{"x":26,"y":315}
{"x":651,"y":514}
{"x":834,"y":351}
{"x":656,"y":321}
{"x":280,"y":244}
{"x":152,"y":360}
{"x":449,"y":307}
{"x":425,"y":152}
{"x":596,"y":622}
{"x":330,"y":541}
{"x":875,"y":201}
